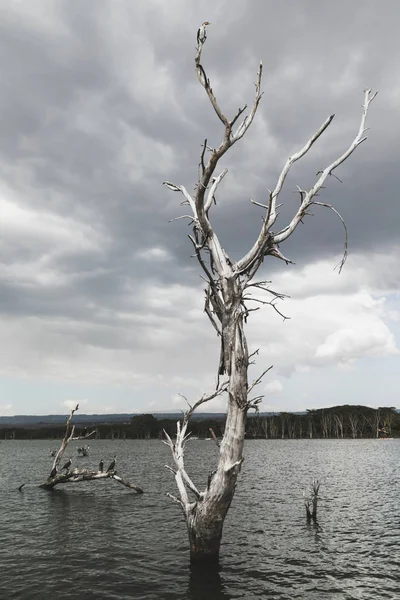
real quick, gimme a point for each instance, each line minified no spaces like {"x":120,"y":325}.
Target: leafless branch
{"x":75,"y":475}
{"x":274,"y":251}
{"x":239,"y":112}
{"x":243,"y":127}
{"x":210,"y":314}
{"x":254,"y":353}
{"x":270,"y":303}
{"x":340,"y":265}
{"x":206,"y":398}
{"x":182,"y":217}
{"x":177,"y":449}
{"x":308,"y":199}
{"x":202,"y":165}
{"x":259,"y":204}
{"x":215,"y":184}
{"x":258,"y":380}
{"x":214,"y":437}
{"x":183,"y":190}
{"x":126,"y":483}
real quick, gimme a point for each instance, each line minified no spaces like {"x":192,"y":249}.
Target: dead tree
{"x":66,"y":474}
{"x":339,"y":425}
{"x":354,"y":421}
{"x":227,"y":297}
{"x":311,"y":501}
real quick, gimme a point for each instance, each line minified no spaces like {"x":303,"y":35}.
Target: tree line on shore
{"x":337,"y":422}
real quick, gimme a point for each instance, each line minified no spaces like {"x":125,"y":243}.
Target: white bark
{"x":226,"y":306}
{"x":61,"y":476}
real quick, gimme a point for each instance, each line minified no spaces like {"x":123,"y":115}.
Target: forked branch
{"x":177,"y":447}
{"x":74,"y":475}
{"x":267,"y":240}
{"x":308,"y":197}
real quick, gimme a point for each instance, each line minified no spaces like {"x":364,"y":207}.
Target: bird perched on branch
{"x":112,"y":464}
{"x":202,"y":33}
{"x":101,"y":466}
{"x":67,"y":465}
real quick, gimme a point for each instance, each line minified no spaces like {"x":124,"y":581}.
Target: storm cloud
{"x":100,"y":299}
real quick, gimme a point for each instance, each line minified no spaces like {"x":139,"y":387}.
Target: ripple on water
{"x":101,"y":541}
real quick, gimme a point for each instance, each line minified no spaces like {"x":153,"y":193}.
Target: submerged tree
{"x":67,"y":474}
{"x":226,"y":304}
{"x":311,"y":501}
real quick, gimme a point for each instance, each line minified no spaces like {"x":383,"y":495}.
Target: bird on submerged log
{"x":112,"y":464}
{"x":101,"y":466}
{"x":67,"y":465}
{"x":202,"y":33}
{"x":53,"y":472}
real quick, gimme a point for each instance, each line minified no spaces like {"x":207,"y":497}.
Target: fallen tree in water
{"x":67,"y":475}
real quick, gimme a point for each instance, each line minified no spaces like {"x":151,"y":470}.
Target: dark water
{"x":98,"y":540}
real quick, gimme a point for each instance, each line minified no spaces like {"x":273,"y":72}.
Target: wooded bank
{"x":336,"y":422}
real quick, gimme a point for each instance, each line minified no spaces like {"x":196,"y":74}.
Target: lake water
{"x":99,"y":540}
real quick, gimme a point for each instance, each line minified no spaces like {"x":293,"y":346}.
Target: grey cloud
{"x":81,"y":138}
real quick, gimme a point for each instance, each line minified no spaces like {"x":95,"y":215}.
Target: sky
{"x":101,"y":301}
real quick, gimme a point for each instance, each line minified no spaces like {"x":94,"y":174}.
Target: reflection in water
{"x":72,"y":513}
{"x":93,"y":542}
{"x":206,"y":582}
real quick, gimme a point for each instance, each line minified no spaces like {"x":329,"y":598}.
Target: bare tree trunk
{"x":283,"y":420}
{"x":273,"y":428}
{"x":310,"y":427}
{"x":206,"y":518}
{"x":353,"y":420}
{"x":264,"y":425}
{"x":226,"y":304}
{"x":300,"y":422}
{"x":339,"y":425}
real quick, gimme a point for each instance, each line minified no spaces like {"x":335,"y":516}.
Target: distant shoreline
{"x":337,"y":422}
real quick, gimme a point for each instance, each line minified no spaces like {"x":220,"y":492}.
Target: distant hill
{"x":110,"y":419}
{"x":102,"y":419}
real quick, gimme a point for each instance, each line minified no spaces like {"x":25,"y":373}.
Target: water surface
{"x":99,"y":540}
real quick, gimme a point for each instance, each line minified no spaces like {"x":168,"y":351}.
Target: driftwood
{"x":65,"y":474}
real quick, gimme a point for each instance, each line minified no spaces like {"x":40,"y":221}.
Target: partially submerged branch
{"x":311,"y":501}
{"x":67,"y":475}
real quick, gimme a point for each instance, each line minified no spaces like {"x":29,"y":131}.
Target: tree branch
{"x":308,"y":198}
{"x":344,"y":258}
{"x":177,"y":448}
{"x":183,"y":190}
{"x":215,"y":184}
{"x":67,"y":475}
{"x":266,"y":240}
{"x":258,"y":380}
{"x":243,"y":127}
